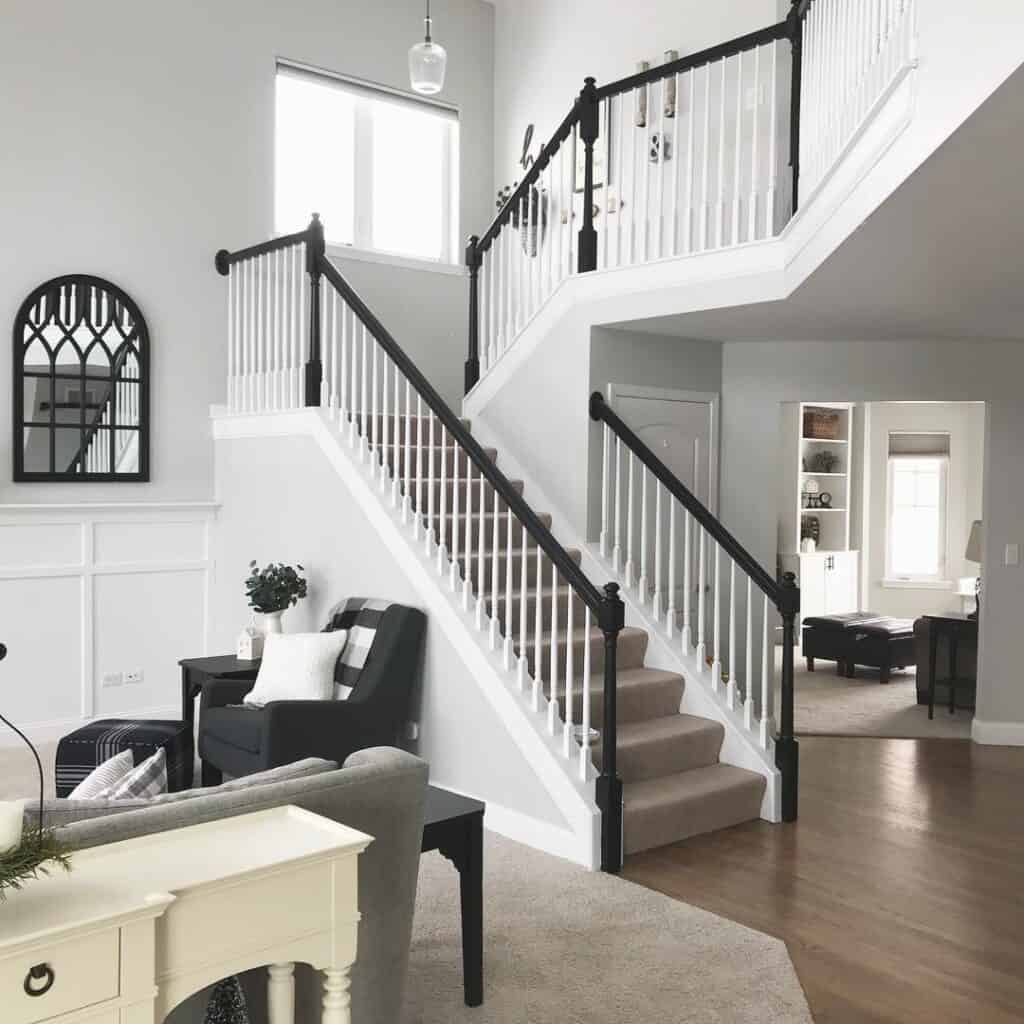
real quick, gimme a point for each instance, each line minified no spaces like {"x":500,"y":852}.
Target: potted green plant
{"x":272,"y":591}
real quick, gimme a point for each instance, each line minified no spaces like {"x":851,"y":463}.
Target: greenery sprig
{"x":274,"y":588}
{"x":39,"y":854}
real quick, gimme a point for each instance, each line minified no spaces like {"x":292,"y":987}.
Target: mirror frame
{"x":43,"y":307}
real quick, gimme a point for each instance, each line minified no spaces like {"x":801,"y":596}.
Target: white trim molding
{"x":997,"y":734}
{"x":91,"y":593}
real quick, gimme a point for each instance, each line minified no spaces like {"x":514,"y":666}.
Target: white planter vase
{"x":270,"y":622}
{"x":10,"y":824}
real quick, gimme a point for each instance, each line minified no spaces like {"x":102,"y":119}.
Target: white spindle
{"x":730,"y":692}
{"x":687,"y":580}
{"x":716,"y":666}
{"x":481,"y":577}
{"x":442,"y":530}
{"x":701,"y":595}
{"x":396,"y":438}
{"x":617,"y":549}
{"x":432,"y":452}
{"x":407,"y":498}
{"x":523,"y":603}
{"x":657,"y":550}
{"x":453,"y":580}
{"x":766,"y":679}
{"x":644,"y":584}
{"x":570,"y":671}
{"x":553,"y":681}
{"x":467,"y":544}
{"x":748,"y":704}
{"x":538,"y":629}
{"x":605,"y":473}
{"x":670,"y":614}
{"x":754,"y":165}
{"x":232,"y":340}
{"x":705,"y":197}
{"x":630,"y":563}
{"x":663,"y":151}
{"x":373,"y":438}
{"x":773,"y":132}
{"x":691,"y":167}
{"x":673,"y":178}
{"x":737,"y":151}
{"x":495,"y":569}
{"x":585,"y":725}
{"x":509,"y":621}
{"x":420,"y":505}
{"x":364,"y":401}
{"x":720,"y":218}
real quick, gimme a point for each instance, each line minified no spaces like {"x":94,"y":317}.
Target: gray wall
{"x":139,"y":140}
{"x":283,"y":501}
{"x":756,"y":377}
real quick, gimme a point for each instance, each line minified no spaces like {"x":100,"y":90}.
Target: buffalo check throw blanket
{"x":360,"y":616}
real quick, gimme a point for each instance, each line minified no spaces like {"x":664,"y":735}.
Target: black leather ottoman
{"x":81,"y":751}
{"x":859,"y":638}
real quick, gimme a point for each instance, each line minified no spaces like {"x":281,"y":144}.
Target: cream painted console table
{"x":138,"y":926}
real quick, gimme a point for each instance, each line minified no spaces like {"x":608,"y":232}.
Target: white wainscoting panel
{"x":92,"y":594}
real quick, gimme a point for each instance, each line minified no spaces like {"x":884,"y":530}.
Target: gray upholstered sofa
{"x":379,"y":791}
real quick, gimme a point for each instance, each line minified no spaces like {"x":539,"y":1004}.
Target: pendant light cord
{"x":428,"y":39}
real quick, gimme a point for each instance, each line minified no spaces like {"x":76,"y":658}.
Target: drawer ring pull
{"x":43,"y":973}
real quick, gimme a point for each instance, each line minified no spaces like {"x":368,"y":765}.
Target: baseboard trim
{"x":522,"y":828}
{"x":997,"y":734}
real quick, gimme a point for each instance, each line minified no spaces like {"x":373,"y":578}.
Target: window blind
{"x":918,"y":445}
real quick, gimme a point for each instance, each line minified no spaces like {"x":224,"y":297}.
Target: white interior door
{"x":681,"y":428}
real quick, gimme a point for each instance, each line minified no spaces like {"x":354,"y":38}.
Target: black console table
{"x":955,"y":627}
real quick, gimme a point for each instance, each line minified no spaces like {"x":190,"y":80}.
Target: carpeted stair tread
{"x":632,"y":648}
{"x":641,"y":693}
{"x":660,"y":747}
{"x":674,"y":807}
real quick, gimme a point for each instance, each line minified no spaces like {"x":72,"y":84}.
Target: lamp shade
{"x":974,"y":543}
{"x":427,"y":63}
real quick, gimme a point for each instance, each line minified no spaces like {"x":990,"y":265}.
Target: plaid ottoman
{"x":81,"y":751}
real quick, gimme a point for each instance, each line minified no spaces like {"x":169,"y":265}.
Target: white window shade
{"x":379,"y":166}
{"x":905,"y":443}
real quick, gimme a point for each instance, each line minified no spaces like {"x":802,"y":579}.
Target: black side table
{"x":195,"y":671}
{"x":955,"y":627}
{"x":454,"y":825}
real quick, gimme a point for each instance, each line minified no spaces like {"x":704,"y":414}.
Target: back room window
{"x":380,"y":167}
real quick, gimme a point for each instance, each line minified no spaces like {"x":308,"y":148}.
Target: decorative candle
{"x":11,"y":814}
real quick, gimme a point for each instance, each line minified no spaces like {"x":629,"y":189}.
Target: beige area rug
{"x":827,"y":704}
{"x":567,"y":946}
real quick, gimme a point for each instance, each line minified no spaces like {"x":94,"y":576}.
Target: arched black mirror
{"x":81,"y":384}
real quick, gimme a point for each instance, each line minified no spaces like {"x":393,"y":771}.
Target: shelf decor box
{"x":822,"y":424}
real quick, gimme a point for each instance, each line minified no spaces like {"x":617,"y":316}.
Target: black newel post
{"x":315,"y":252}
{"x":787,"y":754}
{"x":589,"y":126}
{"x":609,"y":785}
{"x":473,"y":261}
{"x":796,"y":38}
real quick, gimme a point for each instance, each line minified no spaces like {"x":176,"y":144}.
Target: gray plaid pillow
{"x":145,"y":780}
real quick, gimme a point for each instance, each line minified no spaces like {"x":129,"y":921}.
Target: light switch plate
{"x":1013,"y":554}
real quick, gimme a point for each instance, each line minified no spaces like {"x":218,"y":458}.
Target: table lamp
{"x":974,"y":554}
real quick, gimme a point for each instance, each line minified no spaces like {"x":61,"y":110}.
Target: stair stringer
{"x":574,"y":797}
{"x":741,"y":746}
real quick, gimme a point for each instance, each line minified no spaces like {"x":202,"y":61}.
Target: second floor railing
{"x":710,"y":151}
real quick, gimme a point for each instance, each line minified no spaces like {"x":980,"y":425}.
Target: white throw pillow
{"x":148,"y":779}
{"x":104,"y":776}
{"x":297,"y":666}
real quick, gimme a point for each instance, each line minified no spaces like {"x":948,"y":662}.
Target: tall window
{"x":379,"y":167}
{"x":916,"y":535}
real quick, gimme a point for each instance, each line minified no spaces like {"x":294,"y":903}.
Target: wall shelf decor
{"x":81,"y":384}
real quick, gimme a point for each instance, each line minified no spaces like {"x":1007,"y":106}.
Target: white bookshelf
{"x":828,"y":576}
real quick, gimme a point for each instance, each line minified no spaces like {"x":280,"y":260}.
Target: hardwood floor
{"x":899,"y":892}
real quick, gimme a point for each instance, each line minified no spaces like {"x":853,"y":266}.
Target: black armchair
{"x":240,"y":741}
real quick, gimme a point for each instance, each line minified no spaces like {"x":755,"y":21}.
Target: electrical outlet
{"x":135,"y":676}
{"x":1013,"y":554}
{"x":412,"y":730}
{"x":111,"y":679}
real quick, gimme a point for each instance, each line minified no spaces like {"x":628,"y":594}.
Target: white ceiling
{"x":942,"y":258}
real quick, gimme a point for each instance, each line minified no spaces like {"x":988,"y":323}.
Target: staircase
{"x":674,"y":785}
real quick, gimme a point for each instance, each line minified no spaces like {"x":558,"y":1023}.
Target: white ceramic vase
{"x":269,"y":622}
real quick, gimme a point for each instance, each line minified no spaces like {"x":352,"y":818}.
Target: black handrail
{"x":572,"y":573}
{"x":224,"y":259}
{"x":779,"y":595}
{"x":785,"y":595}
{"x":696,"y":60}
{"x":543,"y":159}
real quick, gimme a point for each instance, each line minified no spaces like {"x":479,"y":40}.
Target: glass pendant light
{"x":427,"y":62}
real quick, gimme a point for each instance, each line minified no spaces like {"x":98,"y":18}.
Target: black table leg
{"x":188,"y":697}
{"x":933,"y":649}
{"x":953,"y":642}
{"x":465,"y":849}
{"x":471,"y":891}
